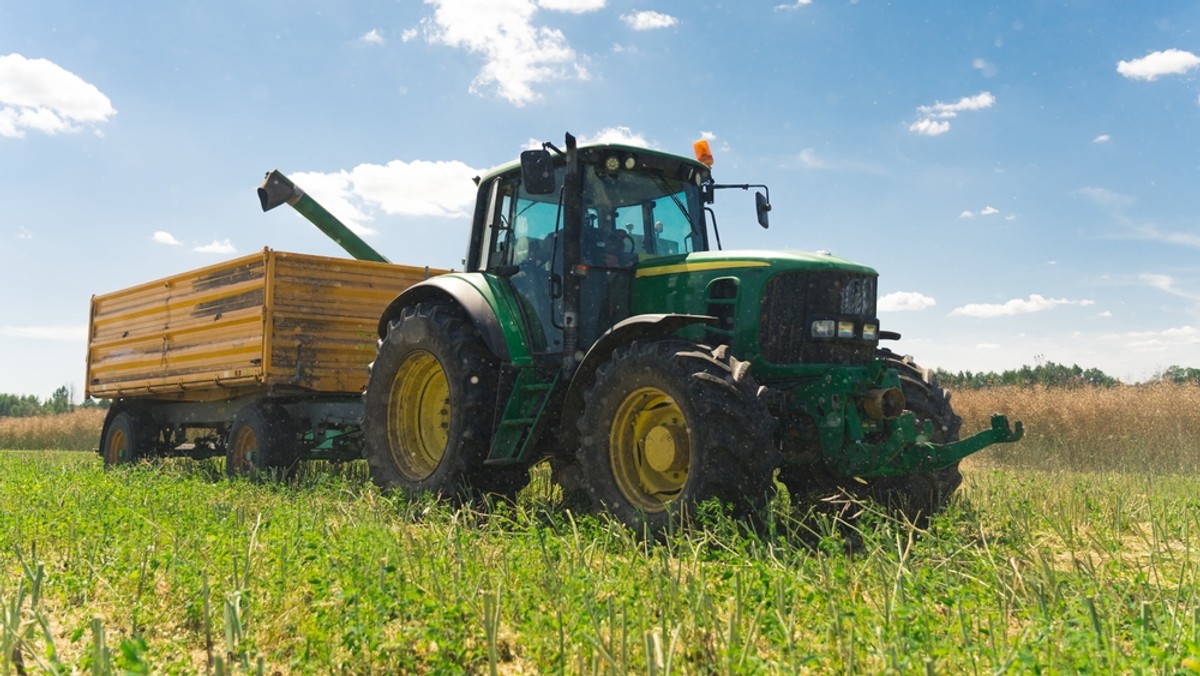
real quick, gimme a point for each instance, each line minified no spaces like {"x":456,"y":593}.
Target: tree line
{"x":22,"y":406}
{"x":1050,"y":374}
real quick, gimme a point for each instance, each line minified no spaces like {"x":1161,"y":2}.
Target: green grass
{"x":172,"y":568}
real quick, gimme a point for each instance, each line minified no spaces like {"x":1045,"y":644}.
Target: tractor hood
{"x":747,"y":259}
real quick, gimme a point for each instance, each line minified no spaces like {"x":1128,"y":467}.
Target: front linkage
{"x":864,"y":430}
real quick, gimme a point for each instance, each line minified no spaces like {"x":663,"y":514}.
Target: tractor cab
{"x":628,"y":205}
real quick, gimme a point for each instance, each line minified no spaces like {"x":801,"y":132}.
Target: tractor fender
{"x":638,"y":327}
{"x":454,"y":289}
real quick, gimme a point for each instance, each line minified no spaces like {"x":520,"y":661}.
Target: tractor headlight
{"x":870,"y":332}
{"x":823,"y":328}
{"x":845,"y":329}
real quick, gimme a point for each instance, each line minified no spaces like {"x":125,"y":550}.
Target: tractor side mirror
{"x":762,"y":204}
{"x":537,"y":172}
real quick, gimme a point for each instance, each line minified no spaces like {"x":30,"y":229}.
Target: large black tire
{"x":430,"y":406}
{"x":128,"y":437}
{"x":668,"y":425}
{"x":919,"y":496}
{"x":262,"y":439}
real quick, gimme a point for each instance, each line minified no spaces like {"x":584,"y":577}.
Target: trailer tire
{"x":669,"y":425}
{"x":920,"y":496}
{"x":261,"y":440}
{"x":430,"y":406}
{"x":128,"y":437}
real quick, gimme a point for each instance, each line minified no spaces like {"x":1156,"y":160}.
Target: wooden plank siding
{"x":272,"y":320}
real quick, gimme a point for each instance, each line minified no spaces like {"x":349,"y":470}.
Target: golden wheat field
{"x":75,"y":431}
{"x":1127,"y":428}
{"x":1134,"y":428}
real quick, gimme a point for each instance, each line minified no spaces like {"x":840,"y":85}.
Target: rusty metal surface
{"x":268,"y":320}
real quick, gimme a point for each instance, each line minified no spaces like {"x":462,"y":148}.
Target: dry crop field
{"x":1076,"y":549}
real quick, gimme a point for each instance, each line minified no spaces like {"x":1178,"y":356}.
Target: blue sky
{"x":1022,"y":174}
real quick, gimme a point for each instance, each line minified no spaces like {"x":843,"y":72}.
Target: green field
{"x":1036,"y":566}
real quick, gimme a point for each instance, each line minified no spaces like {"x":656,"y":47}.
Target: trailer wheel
{"x":128,"y":437}
{"x":669,"y":425}
{"x":919,"y":496}
{"x":429,"y":408}
{"x":261,"y":439}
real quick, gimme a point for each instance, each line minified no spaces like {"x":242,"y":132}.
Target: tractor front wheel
{"x":669,"y":425}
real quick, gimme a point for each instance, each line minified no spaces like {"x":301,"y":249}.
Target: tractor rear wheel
{"x":919,"y":496}
{"x":669,"y":425}
{"x":261,"y":439}
{"x":429,"y":407}
{"x":128,"y":437}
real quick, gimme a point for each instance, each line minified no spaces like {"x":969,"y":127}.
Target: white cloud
{"x":1103,"y":138}
{"x":1155,"y":341}
{"x":809,"y":159}
{"x":986,"y":211}
{"x":905,"y":301}
{"x":1151,"y":233}
{"x":38,"y":95}
{"x":572,"y":6}
{"x":985,"y":67}
{"x":222,"y":247}
{"x":939,"y":110}
{"x":1017,"y":306}
{"x":929,"y":127}
{"x":409,"y":34}
{"x":417,"y":188}
{"x":1106,"y":198}
{"x":24,"y":233}
{"x":373,"y":37}
{"x":1156,"y":64}
{"x":795,"y":5}
{"x":166,"y":238}
{"x":517,"y":55}
{"x":933,"y":117}
{"x":708,"y":136}
{"x":648,"y":20}
{"x":622,"y":135}
{"x":69,"y":334}
{"x":1166,"y":284}
{"x":1106,"y":314}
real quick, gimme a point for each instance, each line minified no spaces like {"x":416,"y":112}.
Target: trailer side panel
{"x":271,"y":320}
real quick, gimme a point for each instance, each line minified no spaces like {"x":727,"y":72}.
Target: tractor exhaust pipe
{"x":278,"y":189}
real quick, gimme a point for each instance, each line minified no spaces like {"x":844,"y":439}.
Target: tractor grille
{"x":791,"y":300}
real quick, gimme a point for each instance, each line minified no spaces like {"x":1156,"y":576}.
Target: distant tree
{"x":1180,"y":375}
{"x":1046,"y":373}
{"x":15,"y":406}
{"x":59,"y":402}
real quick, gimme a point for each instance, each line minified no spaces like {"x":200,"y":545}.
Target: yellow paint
{"x":700,"y":267}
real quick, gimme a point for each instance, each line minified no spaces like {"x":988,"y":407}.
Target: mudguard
{"x":479,"y":299}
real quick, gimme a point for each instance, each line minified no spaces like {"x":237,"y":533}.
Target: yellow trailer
{"x":262,"y":358}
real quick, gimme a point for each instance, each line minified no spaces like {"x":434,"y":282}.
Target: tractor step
{"x":523,"y":417}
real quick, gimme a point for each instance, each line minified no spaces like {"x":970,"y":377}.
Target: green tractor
{"x":598,"y":326}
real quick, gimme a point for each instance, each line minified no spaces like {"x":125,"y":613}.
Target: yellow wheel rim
{"x":243,"y":446}
{"x":418,"y":415}
{"x":650,"y":449}
{"x":118,"y":446}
